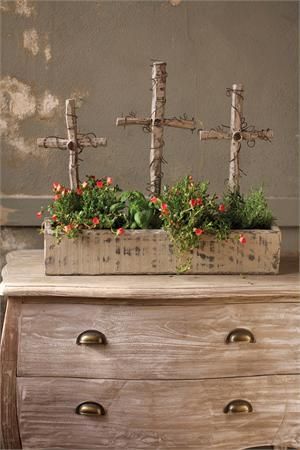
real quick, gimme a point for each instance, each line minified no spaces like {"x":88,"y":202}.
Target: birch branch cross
{"x":238,"y":132}
{"x":75,"y":142}
{"x":156,"y":123}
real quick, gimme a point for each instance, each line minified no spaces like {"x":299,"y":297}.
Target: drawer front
{"x":159,"y":342}
{"x":159,"y":414}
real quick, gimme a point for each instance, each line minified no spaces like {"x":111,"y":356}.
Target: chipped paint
{"x":47,"y":53}
{"x":79,"y":97}
{"x":48,"y":105}
{"x":31,"y":41}
{"x":174,"y":2}
{"x":4,"y":6}
{"x":24,"y":8}
{"x":17,"y":103}
{"x":16,"y":99}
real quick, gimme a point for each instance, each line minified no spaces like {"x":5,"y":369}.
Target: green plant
{"x":186,"y":211}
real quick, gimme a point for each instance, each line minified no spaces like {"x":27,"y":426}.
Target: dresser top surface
{"x":24,"y":275}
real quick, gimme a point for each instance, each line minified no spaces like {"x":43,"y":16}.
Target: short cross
{"x":75,"y":143}
{"x":156,"y":122}
{"x":238,"y":131}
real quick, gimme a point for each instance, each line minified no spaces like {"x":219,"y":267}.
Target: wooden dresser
{"x":149,"y":362}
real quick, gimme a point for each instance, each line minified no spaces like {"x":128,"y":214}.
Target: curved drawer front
{"x":156,"y":341}
{"x":159,"y":414}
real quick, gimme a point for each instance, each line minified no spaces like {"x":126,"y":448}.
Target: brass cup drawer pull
{"x":238,"y":406}
{"x":90,"y":409}
{"x":91,"y":337}
{"x":240,"y":335}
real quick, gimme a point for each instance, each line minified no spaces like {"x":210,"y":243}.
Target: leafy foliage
{"x":185,"y":211}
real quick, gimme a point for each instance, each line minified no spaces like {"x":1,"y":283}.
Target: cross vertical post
{"x":71,"y":120}
{"x":236,"y":136}
{"x":159,"y":77}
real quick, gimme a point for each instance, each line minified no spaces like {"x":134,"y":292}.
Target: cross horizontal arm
{"x":213,"y":134}
{"x":257,"y":134}
{"x":85,"y":141}
{"x":174,"y":122}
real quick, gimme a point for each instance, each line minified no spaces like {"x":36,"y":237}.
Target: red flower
{"x":95,"y":220}
{"x":222,"y":207}
{"x":99,"y":184}
{"x":164,"y":208}
{"x":39,"y":214}
{"x":79,"y":191}
{"x":199,"y":201}
{"x":54,"y":217}
{"x":193,"y":202}
{"x":120,"y":231}
{"x":109,"y":180}
{"x":242,"y":239}
{"x":68,"y":228}
{"x":198,"y":231}
{"x":153,"y":199}
{"x":56,"y":197}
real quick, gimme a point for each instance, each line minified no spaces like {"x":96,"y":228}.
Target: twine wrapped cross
{"x":236,"y":133}
{"x":75,"y":142}
{"x":156,"y":122}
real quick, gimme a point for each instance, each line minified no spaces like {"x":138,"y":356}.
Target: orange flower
{"x":99,"y":184}
{"x":54,"y":217}
{"x":39,"y":214}
{"x":68,"y":227}
{"x":153,"y":199}
{"x":165,"y":209}
{"x":109,"y":180}
{"x":95,"y":220}
{"x":222,"y":207}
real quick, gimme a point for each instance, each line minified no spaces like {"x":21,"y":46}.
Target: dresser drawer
{"x":159,"y":414}
{"x":159,"y":342}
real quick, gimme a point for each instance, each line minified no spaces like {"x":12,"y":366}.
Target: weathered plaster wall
{"x":100,"y":52}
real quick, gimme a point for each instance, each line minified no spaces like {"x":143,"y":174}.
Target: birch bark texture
{"x":237,"y":132}
{"x":156,"y":122}
{"x":159,"y":78}
{"x":75,"y":142}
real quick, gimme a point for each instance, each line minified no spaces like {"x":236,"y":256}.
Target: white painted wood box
{"x":97,"y":252}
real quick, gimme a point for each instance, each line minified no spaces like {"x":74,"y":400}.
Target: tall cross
{"x":156,"y":122}
{"x":236,"y":133}
{"x":75,"y":142}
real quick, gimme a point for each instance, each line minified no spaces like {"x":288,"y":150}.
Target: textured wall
{"x":100,"y":52}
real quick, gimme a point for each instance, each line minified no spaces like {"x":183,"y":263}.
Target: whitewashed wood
{"x":158,"y":342}
{"x":84,"y":141}
{"x":173,"y":123}
{"x":159,"y":414}
{"x":9,"y":429}
{"x":25,"y":275}
{"x":96,"y":252}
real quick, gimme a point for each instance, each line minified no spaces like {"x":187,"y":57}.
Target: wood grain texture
{"x":159,"y":415}
{"x":96,"y":252}
{"x":24,"y":275}
{"x":84,"y":141}
{"x":9,"y":434}
{"x":158,"y":342}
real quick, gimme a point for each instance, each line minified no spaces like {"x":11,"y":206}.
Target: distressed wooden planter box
{"x":97,"y":252}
